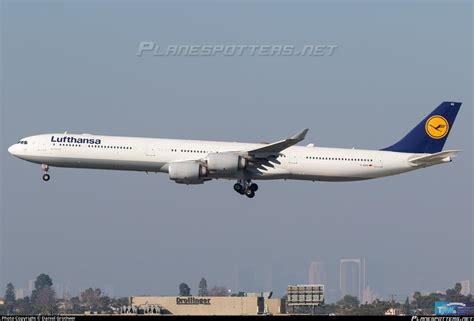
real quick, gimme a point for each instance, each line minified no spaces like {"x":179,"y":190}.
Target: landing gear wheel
{"x":46,"y":177}
{"x":249,"y":193}
{"x":253,"y":187}
{"x":239,"y":188}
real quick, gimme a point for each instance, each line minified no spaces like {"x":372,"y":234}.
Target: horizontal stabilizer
{"x":441,"y":157}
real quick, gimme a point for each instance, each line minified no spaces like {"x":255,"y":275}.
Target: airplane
{"x":195,"y":162}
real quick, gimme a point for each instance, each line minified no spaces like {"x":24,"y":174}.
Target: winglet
{"x":301,"y":135}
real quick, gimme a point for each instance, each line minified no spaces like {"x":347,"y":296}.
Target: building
{"x":59,"y":289}
{"x":393,"y":311}
{"x":196,"y":305}
{"x":368,"y":295}
{"x":317,"y":273}
{"x":466,"y":287}
{"x":19,"y":293}
{"x":31,"y":286}
{"x":304,"y":298}
{"x":352,"y":277}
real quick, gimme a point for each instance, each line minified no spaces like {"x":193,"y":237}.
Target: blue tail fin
{"x":430,"y":135}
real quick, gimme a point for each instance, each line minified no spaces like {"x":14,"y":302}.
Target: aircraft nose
{"x":11,"y":149}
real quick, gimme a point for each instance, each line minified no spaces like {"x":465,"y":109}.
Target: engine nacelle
{"x":187,"y":172}
{"x":225,"y":162}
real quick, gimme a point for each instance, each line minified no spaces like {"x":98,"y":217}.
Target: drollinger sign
{"x":193,"y":300}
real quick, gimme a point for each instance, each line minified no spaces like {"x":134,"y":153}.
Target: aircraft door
{"x":292,"y":159}
{"x":378,"y":162}
{"x":150,"y":150}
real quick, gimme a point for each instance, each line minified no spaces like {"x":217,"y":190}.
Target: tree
{"x":348,"y":300}
{"x":76,"y":306}
{"x":458,"y":288}
{"x":117,"y":303}
{"x":23,"y":306}
{"x":454,"y":294}
{"x":417,"y":298}
{"x":184,"y":290}
{"x":90,"y":299}
{"x":105,"y":303}
{"x":10,"y":298}
{"x":94,"y":300}
{"x":43,"y":297}
{"x":42,"y":281}
{"x":407,"y":306}
{"x":44,"y":301}
{"x":203,"y":288}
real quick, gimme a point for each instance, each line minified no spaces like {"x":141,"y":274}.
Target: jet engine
{"x":225,"y":162}
{"x":188,"y":172}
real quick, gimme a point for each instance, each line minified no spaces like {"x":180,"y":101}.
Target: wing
{"x":263,"y":158}
{"x":274,"y":149}
{"x":436,"y":158}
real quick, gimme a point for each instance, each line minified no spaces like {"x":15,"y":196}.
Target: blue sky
{"x":73,"y":66}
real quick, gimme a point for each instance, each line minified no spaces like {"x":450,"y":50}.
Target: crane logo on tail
{"x":437,"y":127}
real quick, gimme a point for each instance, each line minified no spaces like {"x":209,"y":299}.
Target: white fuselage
{"x":154,"y":155}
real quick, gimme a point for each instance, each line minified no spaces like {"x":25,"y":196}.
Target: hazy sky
{"x":73,"y":66}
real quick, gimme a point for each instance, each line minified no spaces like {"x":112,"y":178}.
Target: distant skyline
{"x":352,"y":277}
{"x":466,"y":287}
{"x":73,"y":67}
{"x":317,"y":273}
{"x":260,"y":279}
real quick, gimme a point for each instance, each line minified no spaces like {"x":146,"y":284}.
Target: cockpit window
{"x":23,"y":142}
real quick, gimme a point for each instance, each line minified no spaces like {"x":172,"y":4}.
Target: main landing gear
{"x":246,"y":187}
{"x":45,"y":169}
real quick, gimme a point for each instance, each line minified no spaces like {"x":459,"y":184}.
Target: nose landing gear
{"x":45,"y":169}
{"x":246,"y":187}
